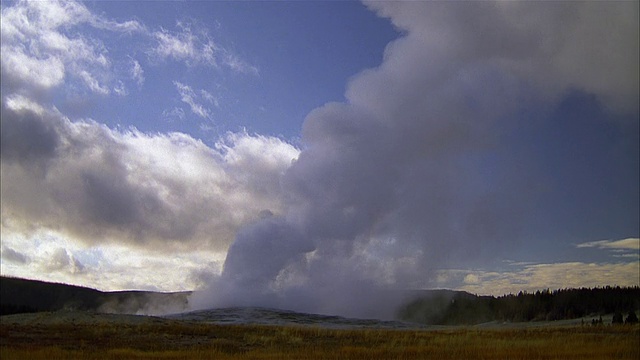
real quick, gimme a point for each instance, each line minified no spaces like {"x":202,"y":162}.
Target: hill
{"x":23,"y":296}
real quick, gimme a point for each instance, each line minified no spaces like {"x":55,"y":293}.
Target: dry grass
{"x":182,"y":340}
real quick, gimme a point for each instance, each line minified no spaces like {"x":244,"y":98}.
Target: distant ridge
{"x":23,"y":296}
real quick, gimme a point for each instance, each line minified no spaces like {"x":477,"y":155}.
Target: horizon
{"x":430,"y":307}
{"x":405,"y":290}
{"x":308,"y":155}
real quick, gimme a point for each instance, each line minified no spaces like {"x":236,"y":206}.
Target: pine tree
{"x":617,"y":318}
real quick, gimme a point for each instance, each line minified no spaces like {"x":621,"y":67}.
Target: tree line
{"x":450,"y":308}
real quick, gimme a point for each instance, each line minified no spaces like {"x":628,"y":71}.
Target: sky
{"x":316,"y":155}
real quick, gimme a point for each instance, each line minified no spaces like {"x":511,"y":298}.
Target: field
{"x":117,"y":337}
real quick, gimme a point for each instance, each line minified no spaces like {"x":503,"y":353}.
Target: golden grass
{"x":180,"y":340}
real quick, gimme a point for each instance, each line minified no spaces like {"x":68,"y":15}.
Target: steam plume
{"x":414,"y":169}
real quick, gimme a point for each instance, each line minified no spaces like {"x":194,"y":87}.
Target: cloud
{"x":624,"y":248}
{"x":99,"y":185}
{"x":92,"y":83}
{"x":130,"y":26}
{"x":138,"y":268}
{"x":120,"y":89}
{"x":175,"y":113}
{"x":32,"y":138}
{"x":181,"y":47}
{"x":623,"y":244}
{"x":549,"y":45}
{"x":40,"y":73}
{"x":61,"y":260}
{"x":235,"y":63}
{"x":197,"y":49}
{"x":8,"y":254}
{"x":471,"y":279}
{"x":552,"y":276}
{"x":137,"y":73}
{"x":41,"y":50}
{"x":209,"y":97}
{"x":41,"y":53}
{"x":189,"y":97}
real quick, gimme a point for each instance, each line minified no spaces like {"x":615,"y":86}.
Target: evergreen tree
{"x":631,"y":318}
{"x":617,"y":318}
{"x":463,"y":308}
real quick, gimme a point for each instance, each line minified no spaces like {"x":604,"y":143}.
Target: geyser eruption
{"x":417,"y":167}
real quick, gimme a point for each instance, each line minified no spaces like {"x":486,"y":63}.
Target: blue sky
{"x":287,"y":151}
{"x":298,"y":57}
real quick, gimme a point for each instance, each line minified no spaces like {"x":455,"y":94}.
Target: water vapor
{"x":417,"y":167}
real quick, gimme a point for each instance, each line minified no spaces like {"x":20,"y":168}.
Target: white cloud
{"x":181,"y":46}
{"x":130,"y":26}
{"x":105,"y":186}
{"x":471,"y":279}
{"x":115,"y":202}
{"x":623,"y":248}
{"x":41,"y":50}
{"x":209,"y":97}
{"x":137,"y":73}
{"x":624,"y":244}
{"x":19,"y":103}
{"x":53,"y":14}
{"x":44,"y":46}
{"x":197,"y":49}
{"x":237,"y":64}
{"x":175,"y":113}
{"x":61,"y":260}
{"x":92,"y":83}
{"x":554,"y":46}
{"x":543,"y":276}
{"x":39,"y":73}
{"x":54,"y":258}
{"x":189,"y":97}
{"x":207,"y":127}
{"x":120,"y":89}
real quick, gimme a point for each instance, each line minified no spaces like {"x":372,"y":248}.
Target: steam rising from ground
{"x":414,"y":168}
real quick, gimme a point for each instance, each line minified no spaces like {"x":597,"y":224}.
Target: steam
{"x":413,"y":170}
{"x":141,"y":303}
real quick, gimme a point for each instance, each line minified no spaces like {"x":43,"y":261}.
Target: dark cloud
{"x":27,"y":137}
{"x":10,"y":255}
{"x":99,"y":185}
{"x":61,"y":260}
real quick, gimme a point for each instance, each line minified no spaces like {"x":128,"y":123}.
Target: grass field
{"x":183,"y":340}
